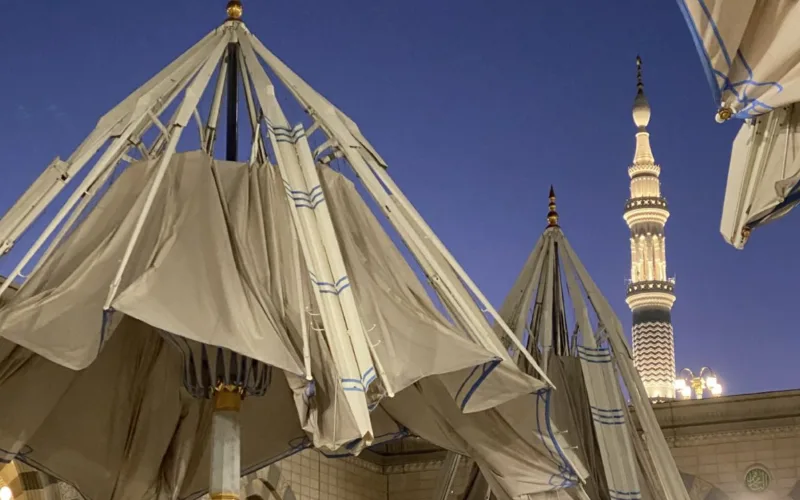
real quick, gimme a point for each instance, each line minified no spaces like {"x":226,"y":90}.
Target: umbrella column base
{"x":225,"y":444}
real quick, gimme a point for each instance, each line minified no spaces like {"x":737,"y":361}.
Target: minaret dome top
{"x":641,"y":108}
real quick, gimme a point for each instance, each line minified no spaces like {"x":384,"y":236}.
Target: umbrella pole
{"x":225,"y":429}
{"x":225,"y":443}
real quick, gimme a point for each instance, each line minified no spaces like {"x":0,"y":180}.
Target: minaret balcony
{"x":646,"y":202}
{"x":651,"y":293}
{"x":646,"y":210}
{"x":667,"y":286}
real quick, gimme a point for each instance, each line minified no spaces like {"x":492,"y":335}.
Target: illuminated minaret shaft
{"x":650,"y":293}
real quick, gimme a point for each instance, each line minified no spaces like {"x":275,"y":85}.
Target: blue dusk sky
{"x":477,"y":106}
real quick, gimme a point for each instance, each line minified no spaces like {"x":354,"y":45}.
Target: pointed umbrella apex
{"x":552,"y":215}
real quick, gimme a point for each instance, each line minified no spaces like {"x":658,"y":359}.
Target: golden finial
{"x":234,"y":10}
{"x":552,"y":215}
{"x":745,"y":234}
{"x":724,"y":114}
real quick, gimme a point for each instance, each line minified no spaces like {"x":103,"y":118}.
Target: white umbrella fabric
{"x":750,"y":52}
{"x":175,"y":293}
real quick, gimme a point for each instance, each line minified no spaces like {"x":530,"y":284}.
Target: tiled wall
{"x":725,"y":465}
{"x":412,"y":485}
{"x":418,"y":482}
{"x":311,"y":476}
{"x":722,"y":464}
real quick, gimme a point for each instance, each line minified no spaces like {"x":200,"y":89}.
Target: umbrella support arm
{"x":225,"y":444}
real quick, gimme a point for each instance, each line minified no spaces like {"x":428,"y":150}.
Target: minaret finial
{"x":234,"y":10}
{"x":641,"y":109}
{"x":552,"y":215}
{"x":639,"y":82}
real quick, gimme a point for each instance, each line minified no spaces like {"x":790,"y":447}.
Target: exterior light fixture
{"x":686,"y":384}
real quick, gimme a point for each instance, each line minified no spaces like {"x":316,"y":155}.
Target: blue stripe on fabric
{"x":606,"y":422}
{"x":617,"y":492}
{"x":599,"y":361}
{"x":751,"y":107}
{"x":285,"y":134}
{"x":369,"y":377}
{"x":568,"y":475}
{"x":362,"y":384}
{"x":605,"y":354}
{"x":595,"y":349}
{"x":306,"y":199}
{"x":356,"y":386}
{"x":486,"y":369}
{"x":625,"y":495}
{"x":590,"y":354}
{"x":309,"y":195}
{"x":600,"y":355}
{"x":715,"y":29}
{"x":464,"y":383}
{"x":312,"y":206}
{"x":608,"y":416}
{"x":607,"y":410}
{"x":336,"y":288}
{"x":701,"y":50}
{"x":793,"y":198}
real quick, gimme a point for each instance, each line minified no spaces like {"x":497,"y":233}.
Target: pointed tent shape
{"x":184,"y":270}
{"x":749,"y":53}
{"x":558,"y":312}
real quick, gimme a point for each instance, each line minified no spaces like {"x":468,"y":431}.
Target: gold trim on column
{"x":224,"y":496}
{"x":227,"y":398}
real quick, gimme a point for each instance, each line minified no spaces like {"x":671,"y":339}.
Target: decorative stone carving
{"x":757,"y":478}
{"x":722,"y":437}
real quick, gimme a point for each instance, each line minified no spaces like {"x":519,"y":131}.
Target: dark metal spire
{"x":232,"y":129}
{"x":639,"y":82}
{"x":234,"y":11}
{"x":641,"y":108}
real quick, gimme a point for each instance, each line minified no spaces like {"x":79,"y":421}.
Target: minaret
{"x":650,"y":292}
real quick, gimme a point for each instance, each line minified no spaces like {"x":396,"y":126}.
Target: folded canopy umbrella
{"x":567,"y":324}
{"x":750,"y":52}
{"x":170,"y":286}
